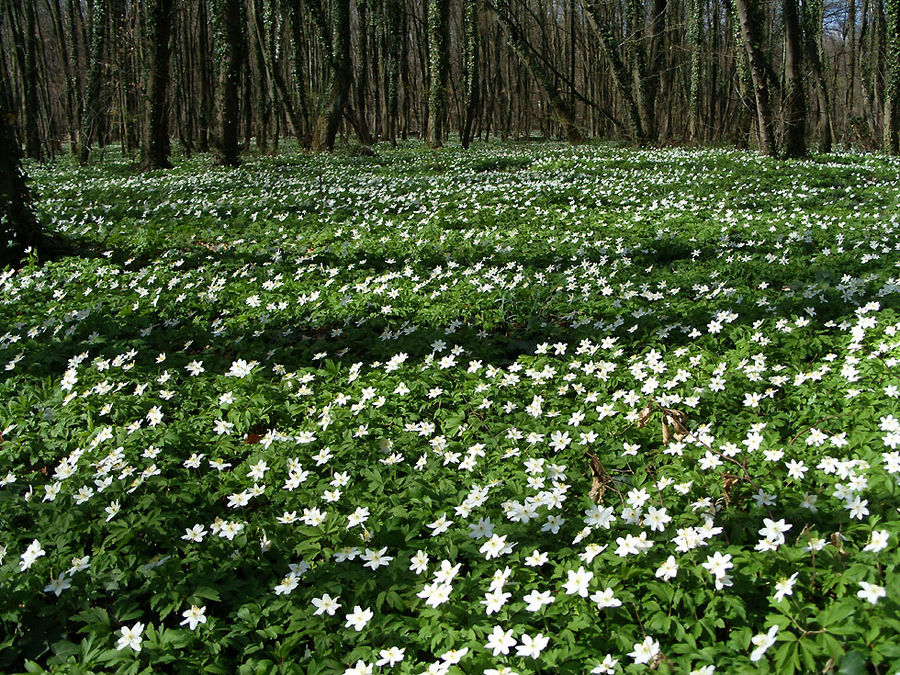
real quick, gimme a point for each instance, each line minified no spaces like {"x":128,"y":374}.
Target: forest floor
{"x":522,"y":409}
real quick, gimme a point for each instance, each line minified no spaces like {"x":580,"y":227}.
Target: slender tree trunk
{"x":231,"y":20}
{"x":470,"y":69}
{"x":655,"y":60}
{"x":751,"y":31}
{"x":263,"y":105}
{"x":204,"y":120}
{"x":695,"y":36}
{"x":542,"y":75}
{"x":812,"y":37}
{"x":31,"y":80}
{"x":297,"y":46}
{"x":90,"y":115}
{"x":438,"y":69}
{"x":794,"y":95}
{"x":75,"y":82}
{"x":341,"y":73}
{"x":361,"y":82}
{"x":621,"y":79}
{"x":394,"y":39}
{"x":155,"y":150}
{"x":891,"y":125}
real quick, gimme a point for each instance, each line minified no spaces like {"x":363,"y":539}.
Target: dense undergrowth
{"x":523,"y":409}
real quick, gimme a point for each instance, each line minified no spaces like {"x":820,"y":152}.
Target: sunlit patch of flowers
{"x":602,"y":413}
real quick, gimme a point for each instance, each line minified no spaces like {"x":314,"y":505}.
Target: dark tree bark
{"x":33,"y":146}
{"x":90,"y":114}
{"x":231,"y":20}
{"x":438,"y":68}
{"x":19,"y":228}
{"x":331,"y":110}
{"x":695,"y":35}
{"x":812,"y":49}
{"x":205,"y":117}
{"x":519,"y":44}
{"x":620,"y":75}
{"x":155,"y":146}
{"x":470,"y":69}
{"x":794,"y":95}
{"x":891,"y":135}
{"x":751,"y":32}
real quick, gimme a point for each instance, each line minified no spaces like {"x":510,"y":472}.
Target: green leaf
{"x":853,"y":663}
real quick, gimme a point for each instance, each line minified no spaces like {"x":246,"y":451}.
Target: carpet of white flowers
{"x":524,"y":409}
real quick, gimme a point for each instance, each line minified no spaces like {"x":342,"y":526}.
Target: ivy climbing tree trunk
{"x":438,"y":68}
{"x":812,"y":35}
{"x":695,"y":35}
{"x":891,"y":134}
{"x":230,"y":43}
{"x":90,"y":114}
{"x":155,"y":146}
{"x":751,"y":32}
{"x":331,"y":109}
{"x":470,"y":70}
{"x":597,"y":11}
{"x":794,"y":95}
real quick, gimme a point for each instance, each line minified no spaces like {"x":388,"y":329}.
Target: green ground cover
{"x":523,"y":409}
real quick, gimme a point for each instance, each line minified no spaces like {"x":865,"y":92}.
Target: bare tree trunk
{"x":564,"y":114}
{"x":30,"y":77}
{"x":395,"y":54}
{"x":361,"y":82}
{"x":263,"y":105}
{"x":205,"y":118}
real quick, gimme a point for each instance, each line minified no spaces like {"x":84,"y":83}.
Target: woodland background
{"x":784,"y":77}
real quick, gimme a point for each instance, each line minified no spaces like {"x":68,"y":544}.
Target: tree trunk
{"x":361,"y":82}
{"x":30,"y":78}
{"x":438,"y":69}
{"x":695,"y":36}
{"x":891,"y":126}
{"x":19,"y":229}
{"x":90,"y":115}
{"x":205,"y":118}
{"x":812,"y":37}
{"x":751,"y":31}
{"x":794,"y":95}
{"x":301,"y":122}
{"x":395,"y":54}
{"x":156,"y":147}
{"x":470,"y":69}
{"x":526,"y":53}
{"x":341,"y":73}
{"x":231,"y":20}
{"x":620,"y":76}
